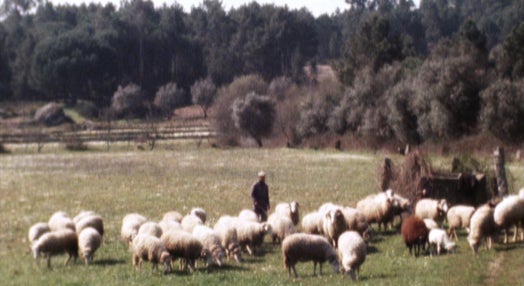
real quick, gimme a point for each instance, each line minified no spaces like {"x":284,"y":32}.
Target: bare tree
{"x":203,"y":93}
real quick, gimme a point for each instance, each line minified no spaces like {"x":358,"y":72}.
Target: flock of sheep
{"x":335,"y":234}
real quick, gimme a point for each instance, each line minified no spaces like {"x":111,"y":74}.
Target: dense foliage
{"x":405,"y":73}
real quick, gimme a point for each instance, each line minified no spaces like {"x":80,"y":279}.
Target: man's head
{"x":261,"y":176}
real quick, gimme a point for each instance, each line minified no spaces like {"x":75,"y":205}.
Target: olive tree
{"x":203,"y":93}
{"x":254,"y":115}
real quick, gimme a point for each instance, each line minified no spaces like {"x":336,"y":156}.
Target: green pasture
{"x":114,"y":183}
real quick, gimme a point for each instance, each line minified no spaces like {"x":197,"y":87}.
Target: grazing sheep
{"x":281,"y":226}
{"x":151,"y":228}
{"x":290,"y":210}
{"x":251,"y":234}
{"x":458,"y":217}
{"x":430,"y":224}
{"x":400,"y":205}
{"x":60,"y":220}
{"x":94,"y":221}
{"x":130,"y":225}
{"x":82,"y":215}
{"x":482,"y":225}
{"x":150,"y":248}
{"x":211,"y":243}
{"x":173,"y":215}
{"x":89,"y":240}
{"x":170,"y":225}
{"x":312,"y":223}
{"x":183,"y":245}
{"x":438,"y":239}
{"x":36,"y":231}
{"x":431,"y":208}
{"x":510,"y":211}
{"x":356,"y":221}
{"x":353,"y":250}
{"x":334,"y":225}
{"x":225,"y":228}
{"x":521,"y":193}
{"x":248,"y":215}
{"x":189,"y":222}
{"x":377,"y":208}
{"x":415,"y":234}
{"x":56,"y":242}
{"x":326,"y":207}
{"x":201,"y":213}
{"x":308,"y":247}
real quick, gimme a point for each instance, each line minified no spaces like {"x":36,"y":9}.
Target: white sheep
{"x":510,"y":212}
{"x":377,"y":208}
{"x":226,"y":230}
{"x":355,"y":220}
{"x":312,"y":223}
{"x":281,"y":226}
{"x":95,"y":221}
{"x":521,"y":193}
{"x":173,"y":215}
{"x":150,"y":248}
{"x":439,"y":239}
{"x":36,"y":231}
{"x":432,"y":208}
{"x":334,"y":225}
{"x":211,"y":243}
{"x":251,"y":234}
{"x":189,"y":222}
{"x":353,"y":250}
{"x":430,"y":224}
{"x":302,"y":247}
{"x":151,"y":228}
{"x":130,"y":225}
{"x":185,"y":246}
{"x":60,"y":220}
{"x":56,"y":242}
{"x":248,"y":215}
{"x":290,"y":210}
{"x":89,"y":240}
{"x":400,"y":205}
{"x":199,"y":212}
{"x":459,"y":216}
{"x":82,"y":215}
{"x":482,"y":226}
{"x":169,"y":225}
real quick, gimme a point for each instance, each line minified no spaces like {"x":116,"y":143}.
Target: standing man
{"x":260,"y":196}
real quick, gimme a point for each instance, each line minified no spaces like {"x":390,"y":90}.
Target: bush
{"x":51,"y":114}
{"x":168,"y":97}
{"x":279,"y":86}
{"x":254,"y":115}
{"x":128,"y":101}
{"x":203,"y":93}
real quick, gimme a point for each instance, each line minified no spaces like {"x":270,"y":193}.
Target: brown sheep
{"x":415,"y":234}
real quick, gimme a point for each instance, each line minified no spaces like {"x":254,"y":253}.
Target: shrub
{"x":128,"y":101}
{"x":168,"y":97}
{"x":279,"y":86}
{"x":254,"y":115}
{"x":203,"y":93}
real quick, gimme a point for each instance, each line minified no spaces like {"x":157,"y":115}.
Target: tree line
{"x":443,"y":70}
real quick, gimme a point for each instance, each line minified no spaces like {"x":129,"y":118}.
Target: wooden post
{"x":500,"y":172}
{"x":387,"y":174}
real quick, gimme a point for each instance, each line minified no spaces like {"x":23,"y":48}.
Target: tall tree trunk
{"x":500,"y":172}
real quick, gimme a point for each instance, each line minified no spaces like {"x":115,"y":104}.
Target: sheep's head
{"x":443,"y":206}
{"x":333,"y":260}
{"x":294,"y":206}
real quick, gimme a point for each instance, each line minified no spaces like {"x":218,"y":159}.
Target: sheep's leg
{"x":488,"y":242}
{"x":67,"y":259}
{"x":320,"y":268}
{"x":438,"y":249}
{"x":48,"y":257}
{"x":515,"y":232}
{"x":250,"y":250}
{"x":314,"y":268}
{"x":505,"y":235}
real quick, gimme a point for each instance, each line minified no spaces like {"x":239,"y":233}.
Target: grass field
{"x":33,"y":186}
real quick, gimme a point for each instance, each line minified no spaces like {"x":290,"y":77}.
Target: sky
{"x":317,"y":7}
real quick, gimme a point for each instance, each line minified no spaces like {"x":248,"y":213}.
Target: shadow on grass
{"x":108,"y":262}
{"x":508,"y":247}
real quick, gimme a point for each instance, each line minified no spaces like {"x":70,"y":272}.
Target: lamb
{"x":150,"y":248}
{"x":151,"y":228}
{"x":312,"y":223}
{"x":290,"y":210}
{"x":308,"y":247}
{"x":334,"y":225}
{"x":173,"y":215}
{"x":199,"y":212}
{"x":510,"y":211}
{"x":430,"y":224}
{"x":89,"y":240}
{"x":431,"y":208}
{"x":228,"y":236}
{"x":377,"y":208}
{"x":248,"y":215}
{"x":482,"y":225}
{"x":211,"y":243}
{"x":94,"y":221}
{"x":438,"y":239}
{"x":251,"y":234}
{"x":56,"y":242}
{"x":355,"y":220}
{"x":60,"y":220}
{"x":189,"y":222}
{"x":183,"y":245}
{"x":281,"y":226}
{"x":82,"y":215}
{"x":353,"y":250}
{"x":459,"y":216}
{"x":415,"y":234}
{"x":36,"y":231}
{"x":130,"y":225}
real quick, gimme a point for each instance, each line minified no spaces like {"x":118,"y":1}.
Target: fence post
{"x":500,"y":172}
